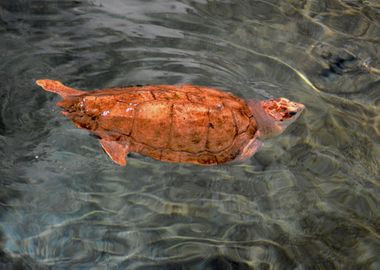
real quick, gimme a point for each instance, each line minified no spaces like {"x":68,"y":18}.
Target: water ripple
{"x":307,"y":200}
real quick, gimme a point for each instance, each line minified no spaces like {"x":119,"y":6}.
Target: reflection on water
{"x":308,"y":200}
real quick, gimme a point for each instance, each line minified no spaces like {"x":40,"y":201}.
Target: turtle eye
{"x":292,"y":113}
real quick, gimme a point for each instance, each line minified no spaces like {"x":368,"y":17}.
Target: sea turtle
{"x":175,"y":123}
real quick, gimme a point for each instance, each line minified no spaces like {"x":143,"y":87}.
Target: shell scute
{"x":94,"y":105}
{"x":135,"y":97}
{"x":241,"y":120}
{"x":119,"y":118}
{"x":151,"y":124}
{"x":189,"y":127}
{"x":174,"y":96}
{"x":145,"y":149}
{"x":221,"y":130}
{"x":236,"y":104}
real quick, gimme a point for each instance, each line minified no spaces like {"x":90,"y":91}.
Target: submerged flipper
{"x":250,"y":149}
{"x":59,"y":88}
{"x":115,"y":150}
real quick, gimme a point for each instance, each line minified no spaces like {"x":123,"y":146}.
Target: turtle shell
{"x":182,"y":123}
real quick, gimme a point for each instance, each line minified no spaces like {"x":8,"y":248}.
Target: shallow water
{"x":309,"y":199}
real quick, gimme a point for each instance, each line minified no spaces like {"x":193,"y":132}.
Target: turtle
{"x":175,"y":123}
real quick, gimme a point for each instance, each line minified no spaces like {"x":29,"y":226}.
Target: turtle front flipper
{"x":115,"y":150}
{"x":249,"y":150}
{"x":57,"y":87}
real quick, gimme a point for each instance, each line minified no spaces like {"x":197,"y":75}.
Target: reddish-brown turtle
{"x":182,"y":123}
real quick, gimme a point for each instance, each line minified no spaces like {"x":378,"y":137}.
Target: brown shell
{"x":183,"y":123}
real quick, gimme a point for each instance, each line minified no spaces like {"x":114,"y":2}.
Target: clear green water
{"x":310,"y":199}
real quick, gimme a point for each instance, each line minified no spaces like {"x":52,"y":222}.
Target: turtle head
{"x":273,"y":116}
{"x":282,"y":110}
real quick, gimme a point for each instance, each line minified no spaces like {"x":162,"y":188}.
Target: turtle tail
{"x":59,"y":88}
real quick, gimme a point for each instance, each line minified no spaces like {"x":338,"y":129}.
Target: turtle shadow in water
{"x":341,"y":65}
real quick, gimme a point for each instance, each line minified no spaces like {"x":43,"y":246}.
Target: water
{"x":309,"y":199}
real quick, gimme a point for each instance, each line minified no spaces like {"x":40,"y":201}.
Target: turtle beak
{"x":295,"y":108}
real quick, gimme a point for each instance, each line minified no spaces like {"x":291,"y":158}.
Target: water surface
{"x":309,"y":199}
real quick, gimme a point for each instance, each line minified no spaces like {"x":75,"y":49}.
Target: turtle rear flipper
{"x":59,"y":88}
{"x":115,"y":150}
